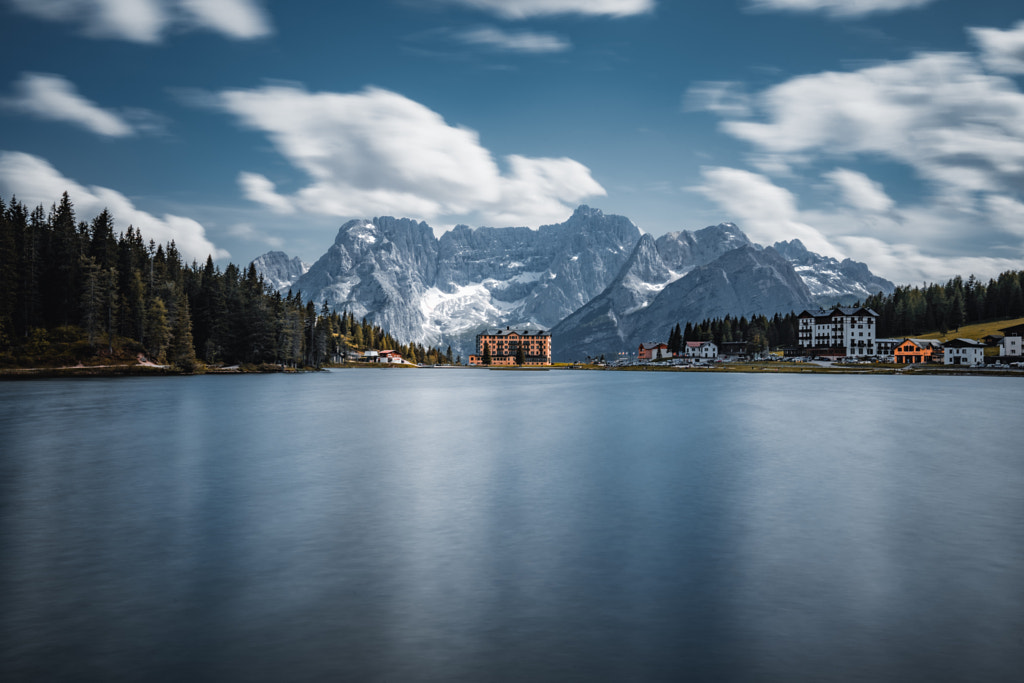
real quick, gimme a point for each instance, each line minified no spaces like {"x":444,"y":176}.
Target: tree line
{"x":944,"y":307}
{"x":759,"y":332}
{"x":907,"y":311}
{"x":70,"y":288}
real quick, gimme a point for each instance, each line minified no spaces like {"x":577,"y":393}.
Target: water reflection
{"x":509,"y":526}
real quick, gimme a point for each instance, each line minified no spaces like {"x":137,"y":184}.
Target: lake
{"x":474,"y":525}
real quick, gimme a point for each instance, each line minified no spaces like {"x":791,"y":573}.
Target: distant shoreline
{"x":741,"y":368}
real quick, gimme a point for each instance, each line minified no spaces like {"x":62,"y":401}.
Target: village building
{"x":653,"y":351}
{"x":1010,"y":344}
{"x":503,"y":345}
{"x":885,"y":346}
{"x":963,"y":352}
{"x":700,"y":349}
{"x":838,"y":331}
{"x":733,"y":349}
{"x":917,"y":351}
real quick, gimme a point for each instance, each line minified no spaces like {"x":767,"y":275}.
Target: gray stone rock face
{"x":743,"y":281}
{"x":832,"y":281}
{"x":279,"y":271}
{"x":593,"y":280}
{"x":602,"y":324}
{"x":443,"y":291}
{"x":682,"y":251}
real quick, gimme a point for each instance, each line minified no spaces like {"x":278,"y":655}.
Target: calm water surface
{"x":441,"y":525}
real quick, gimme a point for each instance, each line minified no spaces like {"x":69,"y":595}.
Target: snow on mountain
{"x":278,"y":270}
{"x":443,"y":291}
{"x":746,"y":280}
{"x":594,"y":276}
{"x":832,"y":281}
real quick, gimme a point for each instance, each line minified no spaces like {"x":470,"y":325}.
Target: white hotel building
{"x":838,"y":331}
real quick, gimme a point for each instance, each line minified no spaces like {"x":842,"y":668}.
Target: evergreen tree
{"x":486,"y":360}
{"x":520,"y":355}
{"x":158,"y":332}
{"x":957,"y":310}
{"x":91,"y":297}
{"x":181,"y":351}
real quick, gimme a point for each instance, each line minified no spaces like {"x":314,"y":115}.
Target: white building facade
{"x":700,"y":349}
{"x":848,"y":331}
{"x":1011,"y":346}
{"x":963,"y":352}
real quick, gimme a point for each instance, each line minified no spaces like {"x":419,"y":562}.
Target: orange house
{"x":503,"y":346}
{"x":916,"y":351}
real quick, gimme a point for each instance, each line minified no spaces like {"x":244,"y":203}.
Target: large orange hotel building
{"x":504,"y":346}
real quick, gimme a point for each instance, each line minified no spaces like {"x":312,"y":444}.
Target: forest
{"x":908,"y":311}
{"x":74,"y":291}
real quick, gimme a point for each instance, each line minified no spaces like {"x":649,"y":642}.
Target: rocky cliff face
{"x":832,"y":281}
{"x":278,"y":270}
{"x":593,"y":280}
{"x":743,"y":281}
{"x":605,"y":323}
{"x":443,"y":291}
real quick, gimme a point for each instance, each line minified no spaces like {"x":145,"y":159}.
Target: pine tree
{"x":158,"y":332}
{"x":520,"y":356}
{"x":957,"y":311}
{"x":486,"y":360}
{"x":181,"y":351}
{"x":91,"y":300}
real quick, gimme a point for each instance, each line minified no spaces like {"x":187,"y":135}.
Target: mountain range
{"x":595,"y":281}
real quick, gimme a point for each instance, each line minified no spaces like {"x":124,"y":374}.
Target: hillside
{"x":975,"y":331}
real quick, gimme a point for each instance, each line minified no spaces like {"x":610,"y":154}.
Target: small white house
{"x":700,"y":349}
{"x":1011,"y":346}
{"x":963,"y":352}
{"x":653,"y":351}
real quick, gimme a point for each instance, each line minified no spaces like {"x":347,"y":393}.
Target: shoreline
{"x":150,"y":370}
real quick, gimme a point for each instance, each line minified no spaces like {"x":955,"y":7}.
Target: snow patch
{"x":530,"y":276}
{"x":365,"y":233}
{"x":467,"y":308}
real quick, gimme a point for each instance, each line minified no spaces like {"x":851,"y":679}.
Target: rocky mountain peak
{"x":279,"y":270}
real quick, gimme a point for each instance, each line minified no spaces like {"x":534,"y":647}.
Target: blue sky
{"x":889,"y":131}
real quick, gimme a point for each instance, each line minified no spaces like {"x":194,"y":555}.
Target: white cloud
{"x":146,"y":21}
{"x":35,"y":181}
{"x":725,"y":98}
{"x":860,"y":191}
{"x":905,"y":244}
{"x":247,"y":232}
{"x":55,"y":98}
{"x":514,"y":41}
{"x":839,"y":8}
{"x":522,"y":9}
{"x":766,"y":212}
{"x":958,"y":127}
{"x":239,"y":19}
{"x":260,"y":189}
{"x":1007,"y":213}
{"x":1002,"y":51}
{"x":908,"y":264}
{"x":938,"y":113}
{"x":376,"y":152}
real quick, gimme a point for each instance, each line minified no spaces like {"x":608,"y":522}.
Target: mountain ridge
{"x":592,"y":268}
